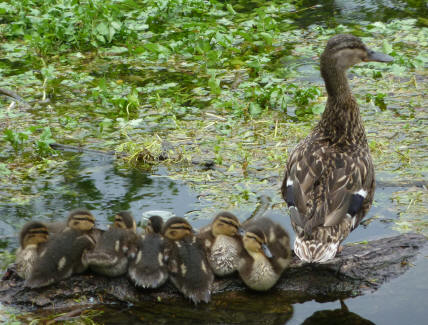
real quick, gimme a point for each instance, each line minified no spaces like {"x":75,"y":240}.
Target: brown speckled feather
{"x":329,"y":179}
{"x":325,"y":177}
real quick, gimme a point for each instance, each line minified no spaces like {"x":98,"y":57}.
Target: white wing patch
{"x":362,"y":193}
{"x":61,"y":263}
{"x":160,"y":258}
{"x":183,"y":269}
{"x":139,"y":256}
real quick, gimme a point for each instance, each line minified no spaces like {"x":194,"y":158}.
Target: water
{"x":94,"y":181}
{"x":333,"y":12}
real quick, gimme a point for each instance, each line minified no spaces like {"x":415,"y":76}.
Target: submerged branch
{"x":360,"y":267}
{"x":14,"y":95}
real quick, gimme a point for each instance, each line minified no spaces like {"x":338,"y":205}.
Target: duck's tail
{"x":315,"y":251}
{"x":146,"y":279}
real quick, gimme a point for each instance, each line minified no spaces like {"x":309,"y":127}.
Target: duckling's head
{"x":345,"y":50}
{"x":154,"y":225}
{"x":81,"y":219}
{"x":125,"y":220}
{"x":33,"y":233}
{"x":225,"y":223}
{"x":177,"y":228}
{"x":255,"y":242}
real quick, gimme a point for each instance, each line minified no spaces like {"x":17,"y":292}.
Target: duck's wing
{"x":322,"y":186}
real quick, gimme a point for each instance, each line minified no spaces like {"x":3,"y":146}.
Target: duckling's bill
{"x":266,"y":251}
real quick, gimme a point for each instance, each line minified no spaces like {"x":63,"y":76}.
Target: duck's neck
{"x":341,"y":121}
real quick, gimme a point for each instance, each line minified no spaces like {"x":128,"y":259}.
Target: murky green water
{"x":95,"y":182}
{"x":335,"y":12}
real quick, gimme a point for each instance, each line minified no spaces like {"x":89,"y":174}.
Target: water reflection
{"x":95,"y":182}
{"x":330,"y":13}
{"x":334,"y":12}
{"x":228,"y":308}
{"x":336,"y":316}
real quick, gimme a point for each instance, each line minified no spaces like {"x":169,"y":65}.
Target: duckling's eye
{"x":172,"y":232}
{"x":75,"y":223}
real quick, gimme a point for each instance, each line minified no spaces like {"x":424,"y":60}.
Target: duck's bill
{"x":378,"y":57}
{"x":267,"y":251}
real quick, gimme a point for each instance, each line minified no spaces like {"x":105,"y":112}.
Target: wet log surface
{"x":360,"y":267}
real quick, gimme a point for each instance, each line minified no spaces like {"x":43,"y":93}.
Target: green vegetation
{"x":229,"y":82}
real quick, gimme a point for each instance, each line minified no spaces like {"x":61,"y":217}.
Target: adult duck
{"x":329,"y":178}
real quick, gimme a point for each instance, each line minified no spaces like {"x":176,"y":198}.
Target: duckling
{"x":62,"y":255}
{"x":188,"y":267}
{"x":222,"y":243}
{"x":149,"y":269}
{"x":59,"y":226}
{"x":329,"y":178}
{"x":56,"y":226}
{"x":267,"y":253}
{"x":33,"y":238}
{"x":154,"y":225}
{"x":110,"y":254}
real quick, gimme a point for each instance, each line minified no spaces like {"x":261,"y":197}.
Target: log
{"x":359,"y":268}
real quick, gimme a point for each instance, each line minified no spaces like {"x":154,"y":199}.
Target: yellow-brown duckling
{"x":148,"y":269}
{"x":188,"y":267}
{"x":33,"y":238}
{"x":266,"y":254}
{"x":222,"y":243}
{"x":62,"y":255}
{"x":110,"y":254}
{"x":76,"y":216}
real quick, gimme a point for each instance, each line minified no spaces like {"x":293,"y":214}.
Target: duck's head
{"x":345,"y":50}
{"x":81,"y":219}
{"x":177,"y":228}
{"x":225,"y":223}
{"x":154,"y":225}
{"x":255,"y":242}
{"x":125,"y":220}
{"x":33,"y":233}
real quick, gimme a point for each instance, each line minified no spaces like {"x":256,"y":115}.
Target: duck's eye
{"x":75,"y":223}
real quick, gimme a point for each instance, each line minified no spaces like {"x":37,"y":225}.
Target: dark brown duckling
{"x":149,"y":268}
{"x":222,"y":243}
{"x":188,"y":267}
{"x":329,"y":179}
{"x":62,"y":255}
{"x":33,"y":238}
{"x":266,"y":254}
{"x":154,"y":225}
{"x":110,"y":254}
